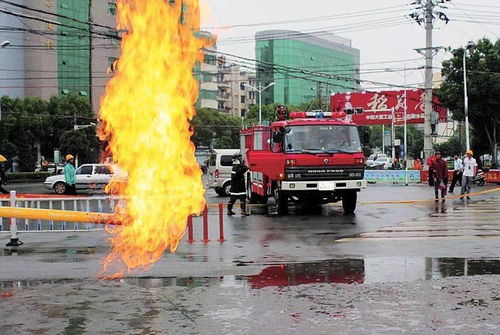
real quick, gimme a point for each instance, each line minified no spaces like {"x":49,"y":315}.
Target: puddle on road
{"x":342,"y":271}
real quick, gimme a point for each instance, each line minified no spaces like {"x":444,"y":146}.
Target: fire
{"x":145,"y":115}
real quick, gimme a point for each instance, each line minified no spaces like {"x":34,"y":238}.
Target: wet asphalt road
{"x":314,"y":271}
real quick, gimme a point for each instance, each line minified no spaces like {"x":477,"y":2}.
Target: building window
{"x":243,"y":112}
{"x":65,"y":91}
{"x":243,"y":99}
{"x":83,"y":93}
{"x":111,"y":8}
{"x":242,"y":86}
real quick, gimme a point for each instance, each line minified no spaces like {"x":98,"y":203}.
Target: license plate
{"x":326,"y":185}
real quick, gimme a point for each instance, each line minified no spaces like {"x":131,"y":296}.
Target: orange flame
{"x":145,"y":115}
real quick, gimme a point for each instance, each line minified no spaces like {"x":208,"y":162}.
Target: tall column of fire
{"x":146,"y":113}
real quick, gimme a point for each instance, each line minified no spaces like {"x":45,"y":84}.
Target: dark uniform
{"x":238,"y":187}
{"x":3,"y":180}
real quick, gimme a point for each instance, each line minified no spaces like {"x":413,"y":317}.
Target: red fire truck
{"x":308,"y":158}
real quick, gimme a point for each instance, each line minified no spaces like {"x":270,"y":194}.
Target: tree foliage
{"x":31,"y":123}
{"x":454,"y":146}
{"x":483,"y":83}
{"x":217,"y":130}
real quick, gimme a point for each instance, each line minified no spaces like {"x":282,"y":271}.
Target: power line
{"x":371,"y":24}
{"x":313,"y":19}
{"x":44,"y":20}
{"x":57,"y":15}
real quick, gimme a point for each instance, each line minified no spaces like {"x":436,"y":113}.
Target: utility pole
{"x":426,"y":14}
{"x":428,"y":147}
{"x":90,"y":56}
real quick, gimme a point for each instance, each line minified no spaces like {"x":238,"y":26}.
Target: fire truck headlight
{"x":290,"y":175}
{"x":354,"y":174}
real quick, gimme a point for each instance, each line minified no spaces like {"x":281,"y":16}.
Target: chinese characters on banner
{"x":378,"y":106}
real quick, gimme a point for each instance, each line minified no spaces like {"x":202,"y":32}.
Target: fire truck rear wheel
{"x":254,"y":198}
{"x":349,"y":199}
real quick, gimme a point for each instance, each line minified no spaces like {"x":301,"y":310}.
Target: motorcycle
{"x":479,"y":179}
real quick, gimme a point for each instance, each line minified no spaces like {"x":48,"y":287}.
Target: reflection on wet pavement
{"x":452,"y":220}
{"x":341,"y":271}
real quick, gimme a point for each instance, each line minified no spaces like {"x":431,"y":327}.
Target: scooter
{"x":479,"y":179}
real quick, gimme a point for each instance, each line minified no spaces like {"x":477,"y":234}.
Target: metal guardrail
{"x":100,"y":204}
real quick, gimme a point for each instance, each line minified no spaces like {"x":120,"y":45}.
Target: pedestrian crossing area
{"x":473,"y":219}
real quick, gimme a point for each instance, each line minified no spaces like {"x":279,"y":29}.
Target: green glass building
{"x":73,"y":52}
{"x":285,"y":57}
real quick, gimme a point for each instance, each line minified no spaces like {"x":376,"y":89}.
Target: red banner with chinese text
{"x":378,"y":106}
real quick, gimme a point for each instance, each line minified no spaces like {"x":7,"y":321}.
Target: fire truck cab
{"x":308,"y":158}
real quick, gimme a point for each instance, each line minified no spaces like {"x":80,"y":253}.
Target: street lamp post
{"x":466,"y":99}
{"x":260,"y":89}
{"x":3,"y":45}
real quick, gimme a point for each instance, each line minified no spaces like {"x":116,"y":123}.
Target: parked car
{"x":378,"y":161}
{"x":220,"y":166}
{"x":88,"y":177}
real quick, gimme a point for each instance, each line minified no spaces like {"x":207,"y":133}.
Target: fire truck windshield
{"x":322,"y":139}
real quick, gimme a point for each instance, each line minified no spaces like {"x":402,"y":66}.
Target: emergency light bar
{"x":315,"y":114}
{"x":318,"y":114}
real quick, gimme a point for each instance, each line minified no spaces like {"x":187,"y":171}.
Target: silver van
{"x":220,"y":166}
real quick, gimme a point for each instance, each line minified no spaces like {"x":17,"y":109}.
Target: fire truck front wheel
{"x":349,"y":199}
{"x":281,"y":202}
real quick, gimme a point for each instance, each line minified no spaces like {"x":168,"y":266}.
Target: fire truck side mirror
{"x":277,"y":137}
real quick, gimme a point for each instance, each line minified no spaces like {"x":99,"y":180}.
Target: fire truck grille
{"x":324,"y":173}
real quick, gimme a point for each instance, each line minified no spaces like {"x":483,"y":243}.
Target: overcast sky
{"x":377,"y":44}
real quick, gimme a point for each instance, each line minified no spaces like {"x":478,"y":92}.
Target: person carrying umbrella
{"x":3,"y":179}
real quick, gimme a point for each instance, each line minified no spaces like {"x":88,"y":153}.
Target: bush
{"x":27,"y":176}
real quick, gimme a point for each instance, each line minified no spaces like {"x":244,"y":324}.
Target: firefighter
{"x":238,"y":189}
{"x":281,"y":113}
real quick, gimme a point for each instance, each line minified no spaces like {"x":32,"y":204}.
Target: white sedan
{"x":88,"y":177}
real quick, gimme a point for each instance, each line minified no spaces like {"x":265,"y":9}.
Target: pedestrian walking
{"x":469,"y":168}
{"x":440,"y":175}
{"x":70,"y":175}
{"x":458,"y":168}
{"x":238,"y":189}
{"x":3,"y":179}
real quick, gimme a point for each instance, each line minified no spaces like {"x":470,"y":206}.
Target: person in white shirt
{"x":469,"y":168}
{"x":458,"y":167}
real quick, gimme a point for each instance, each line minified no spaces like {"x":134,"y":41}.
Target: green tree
{"x":33,"y":122}
{"x":212,"y":128}
{"x":454,"y":146}
{"x":483,"y":81}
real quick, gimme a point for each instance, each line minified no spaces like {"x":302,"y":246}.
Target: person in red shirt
{"x":440,"y":175}
{"x":430,"y":161}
